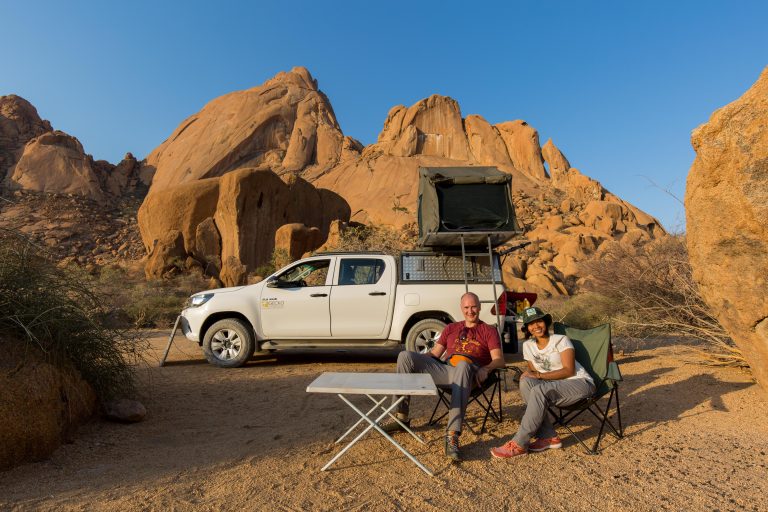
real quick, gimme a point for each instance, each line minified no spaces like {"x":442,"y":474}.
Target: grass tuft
{"x":58,"y":311}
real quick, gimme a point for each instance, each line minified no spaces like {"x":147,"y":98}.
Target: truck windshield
{"x":306,"y":274}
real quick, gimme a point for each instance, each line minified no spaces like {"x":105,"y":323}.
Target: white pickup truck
{"x":341,"y":300}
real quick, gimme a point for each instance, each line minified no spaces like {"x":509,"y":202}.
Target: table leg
{"x":373,"y":424}
{"x":405,"y":427}
{"x":353,"y":427}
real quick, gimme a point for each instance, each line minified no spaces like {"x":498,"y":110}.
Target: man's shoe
{"x":545,"y":443}
{"x":508,"y":450}
{"x":452,"y":448}
{"x":390,"y":426}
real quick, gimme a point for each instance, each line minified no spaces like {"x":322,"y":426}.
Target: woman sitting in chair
{"x":553,"y":377}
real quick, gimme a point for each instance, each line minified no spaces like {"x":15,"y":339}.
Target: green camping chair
{"x":595,"y":353}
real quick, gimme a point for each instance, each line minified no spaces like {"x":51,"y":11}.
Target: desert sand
{"x":253,"y":439}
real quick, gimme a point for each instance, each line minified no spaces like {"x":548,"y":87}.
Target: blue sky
{"x":618,"y":86}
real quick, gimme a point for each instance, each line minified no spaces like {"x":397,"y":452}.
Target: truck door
{"x":361,"y":299}
{"x":295,"y":303}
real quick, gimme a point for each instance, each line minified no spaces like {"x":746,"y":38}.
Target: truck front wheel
{"x":228,"y":343}
{"x":421,"y":337}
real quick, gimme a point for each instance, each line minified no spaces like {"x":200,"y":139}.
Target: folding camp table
{"x":381,"y":385}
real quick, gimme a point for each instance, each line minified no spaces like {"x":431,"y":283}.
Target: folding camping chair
{"x":595,"y":353}
{"x":483,"y":396}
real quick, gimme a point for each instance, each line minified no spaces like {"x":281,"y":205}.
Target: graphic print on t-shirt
{"x":467,"y":344}
{"x":543,"y":362}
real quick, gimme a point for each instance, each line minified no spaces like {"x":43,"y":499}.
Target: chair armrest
{"x":614,"y":373}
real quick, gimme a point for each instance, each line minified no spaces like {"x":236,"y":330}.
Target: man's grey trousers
{"x":459,"y":378}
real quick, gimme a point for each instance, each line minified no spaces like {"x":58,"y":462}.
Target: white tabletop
{"x":374,"y":384}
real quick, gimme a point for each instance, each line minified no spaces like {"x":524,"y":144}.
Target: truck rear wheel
{"x":228,"y":343}
{"x":421,"y":337}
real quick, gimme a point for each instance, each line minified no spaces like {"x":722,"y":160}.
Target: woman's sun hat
{"x":533,"y":313}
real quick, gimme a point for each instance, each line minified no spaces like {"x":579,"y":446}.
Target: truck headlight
{"x":198,"y":300}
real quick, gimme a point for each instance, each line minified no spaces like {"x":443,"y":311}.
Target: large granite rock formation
{"x":568,"y":216}
{"x":34,"y":157}
{"x":726,"y":202}
{"x":230,"y":225}
{"x":55,"y":162}
{"x":19,"y":123}
{"x":286,"y":124}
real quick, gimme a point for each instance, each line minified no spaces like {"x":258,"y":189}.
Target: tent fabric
{"x":465,"y":200}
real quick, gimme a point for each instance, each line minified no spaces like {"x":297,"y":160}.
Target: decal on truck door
{"x":272,"y":304}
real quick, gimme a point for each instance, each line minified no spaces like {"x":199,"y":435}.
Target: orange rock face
{"x":35,"y":157}
{"x":726,"y":202}
{"x":55,"y":162}
{"x":229,"y":224}
{"x":284,"y":172}
{"x":522,"y":142}
{"x":19,"y":123}
{"x":286,"y":124}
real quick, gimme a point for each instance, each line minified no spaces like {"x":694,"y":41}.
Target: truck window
{"x":306,"y":274}
{"x":360,"y":271}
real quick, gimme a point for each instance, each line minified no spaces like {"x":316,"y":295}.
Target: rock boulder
{"x":55,"y":162}
{"x":19,"y":123}
{"x":285,"y":124}
{"x":726,"y":203}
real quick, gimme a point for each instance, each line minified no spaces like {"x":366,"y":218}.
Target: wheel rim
{"x":426,"y":340}
{"x":226,"y":344}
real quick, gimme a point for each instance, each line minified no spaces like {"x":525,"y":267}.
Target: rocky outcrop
{"x":229,"y":224}
{"x":286,"y":124}
{"x":726,"y":202}
{"x":486,"y":144}
{"x":36,"y":158}
{"x":56,"y":163}
{"x":297,"y":239}
{"x":278,"y":158}
{"x":567,"y":216}
{"x":522,"y":142}
{"x":19,"y":123}
{"x":430,"y":127}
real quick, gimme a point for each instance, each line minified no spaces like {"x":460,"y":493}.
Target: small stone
{"x":125,"y":410}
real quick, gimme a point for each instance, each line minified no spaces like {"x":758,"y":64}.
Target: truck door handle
{"x":377,"y":293}
{"x":319,"y":295}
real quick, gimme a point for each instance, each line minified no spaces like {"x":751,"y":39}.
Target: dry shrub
{"x":359,"y":237}
{"x":140,"y":303}
{"x":582,"y":311}
{"x":652,"y":292}
{"x":59,"y":312}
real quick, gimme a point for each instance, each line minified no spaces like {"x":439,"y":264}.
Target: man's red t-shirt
{"x":475,"y":342}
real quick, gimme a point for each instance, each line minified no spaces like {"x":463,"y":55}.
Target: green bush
{"x":58,"y":311}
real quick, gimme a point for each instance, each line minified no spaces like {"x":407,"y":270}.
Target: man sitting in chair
{"x":472,"y":349}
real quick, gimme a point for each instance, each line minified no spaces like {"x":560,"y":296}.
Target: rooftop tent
{"x":471,"y":201}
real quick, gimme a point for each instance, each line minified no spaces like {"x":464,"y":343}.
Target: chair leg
{"x":483,"y":399}
{"x":500,"y":409}
{"x":618,"y":412}
{"x":441,"y":400}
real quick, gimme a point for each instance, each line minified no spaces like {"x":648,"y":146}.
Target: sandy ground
{"x":253,"y":439}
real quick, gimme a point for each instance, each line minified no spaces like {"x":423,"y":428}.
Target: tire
{"x":228,"y":343}
{"x":421,"y":337}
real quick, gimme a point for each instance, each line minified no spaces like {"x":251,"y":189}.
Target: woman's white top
{"x":548,"y":359}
